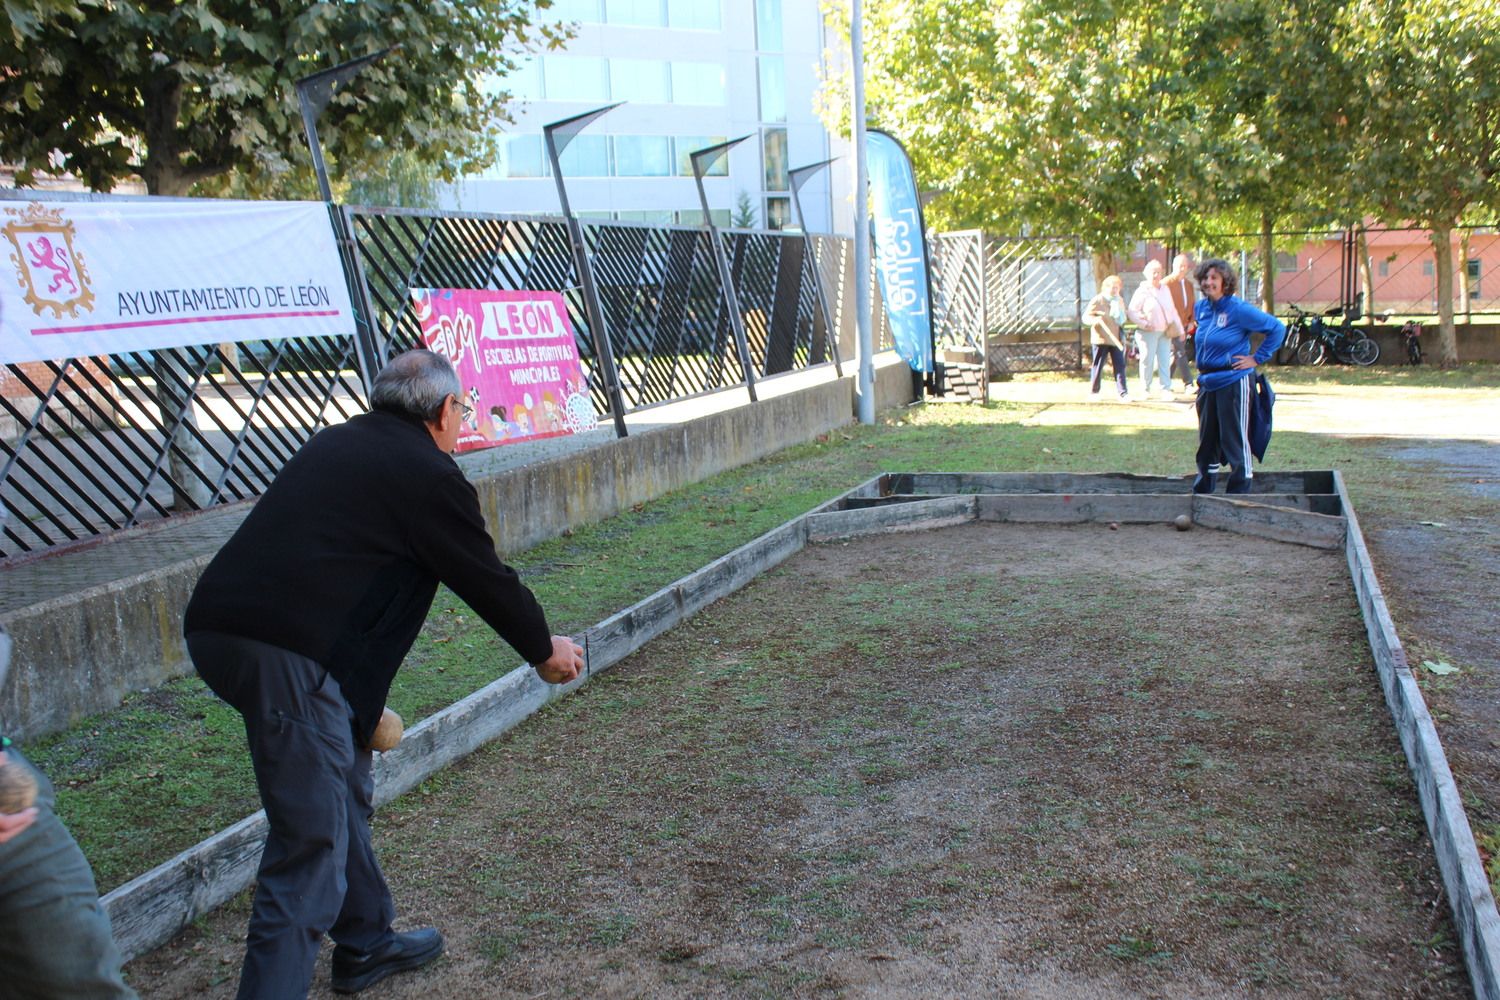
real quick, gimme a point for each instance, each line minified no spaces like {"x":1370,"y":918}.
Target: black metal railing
{"x":94,"y":445}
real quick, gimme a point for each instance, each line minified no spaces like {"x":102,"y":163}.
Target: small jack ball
{"x":1182,"y":522}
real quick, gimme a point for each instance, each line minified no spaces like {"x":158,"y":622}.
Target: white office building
{"x":692,"y":73}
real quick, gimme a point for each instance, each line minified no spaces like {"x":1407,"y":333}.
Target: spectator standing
{"x":301,"y":621}
{"x":1155,"y":318}
{"x":1226,"y":370}
{"x":1106,"y":318}
{"x":1184,"y":297}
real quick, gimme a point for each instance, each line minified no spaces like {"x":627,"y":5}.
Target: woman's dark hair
{"x":1226,"y":273}
{"x":416,"y":383}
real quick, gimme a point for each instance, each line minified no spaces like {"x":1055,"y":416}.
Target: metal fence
{"x":1014,"y":301}
{"x":94,"y":445}
{"x":1378,"y":272}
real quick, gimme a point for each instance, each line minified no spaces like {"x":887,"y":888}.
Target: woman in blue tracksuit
{"x":1226,"y":375}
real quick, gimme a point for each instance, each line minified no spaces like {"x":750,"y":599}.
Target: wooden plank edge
{"x":920,"y":515}
{"x":1464,"y":878}
{"x":154,"y":907}
{"x":1243,"y":515}
{"x":1082,"y":508}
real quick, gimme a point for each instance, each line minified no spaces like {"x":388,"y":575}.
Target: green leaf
{"x":1441,"y":667}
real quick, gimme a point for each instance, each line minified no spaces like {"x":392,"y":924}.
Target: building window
{"x":643,"y":81}
{"x":634,"y":13}
{"x":582,"y":11}
{"x":522,"y":156}
{"x":698,"y":83}
{"x":1473,"y":269}
{"x":643,"y":156}
{"x":768,"y":25}
{"x":1286,"y":262}
{"x":773,"y":145}
{"x":1383,"y":269}
{"x":654,"y":216}
{"x":772,"y":73}
{"x":778,"y":213}
{"x":524,"y":83}
{"x":586,"y":156}
{"x":575,"y":78}
{"x":702,"y":14}
{"x":1427,"y":270}
{"x":694,"y":217}
{"x":687,"y":145}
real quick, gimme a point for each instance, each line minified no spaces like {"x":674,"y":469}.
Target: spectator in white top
{"x":1152,"y":311}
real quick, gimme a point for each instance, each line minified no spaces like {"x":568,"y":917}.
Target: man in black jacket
{"x":300,"y":623}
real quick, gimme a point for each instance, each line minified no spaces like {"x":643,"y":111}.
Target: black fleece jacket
{"x":341,"y":557}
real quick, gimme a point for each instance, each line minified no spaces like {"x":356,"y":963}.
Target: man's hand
{"x":565,"y":663}
{"x":13,"y":823}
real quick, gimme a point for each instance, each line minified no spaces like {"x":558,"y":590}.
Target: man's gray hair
{"x":415,"y":382}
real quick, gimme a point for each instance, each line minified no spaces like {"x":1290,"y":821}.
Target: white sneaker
{"x":1166,"y":396}
{"x":1124,"y":397}
{"x":1094,"y":396}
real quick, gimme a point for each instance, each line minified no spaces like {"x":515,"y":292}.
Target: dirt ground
{"x":933,"y":765}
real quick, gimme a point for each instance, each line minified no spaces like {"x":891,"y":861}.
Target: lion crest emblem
{"x":50,"y":271}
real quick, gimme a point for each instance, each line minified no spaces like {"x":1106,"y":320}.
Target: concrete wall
{"x":81,"y":653}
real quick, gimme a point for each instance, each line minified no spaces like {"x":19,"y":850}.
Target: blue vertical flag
{"x":900,"y":248}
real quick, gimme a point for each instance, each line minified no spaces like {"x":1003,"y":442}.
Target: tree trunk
{"x":1362,"y":262}
{"x":1267,"y":264}
{"x":1442,"y":251}
{"x":1106,"y":262}
{"x":175,"y":370}
{"x":1463,"y":273}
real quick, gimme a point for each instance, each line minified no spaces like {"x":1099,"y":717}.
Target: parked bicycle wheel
{"x":1310,"y":352}
{"x":1364,"y":351}
{"x":1288,"y":351}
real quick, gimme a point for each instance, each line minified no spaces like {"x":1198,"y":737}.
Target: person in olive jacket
{"x":301,"y":621}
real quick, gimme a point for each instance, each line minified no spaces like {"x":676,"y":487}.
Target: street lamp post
{"x":703,"y":161}
{"x":557,"y":136}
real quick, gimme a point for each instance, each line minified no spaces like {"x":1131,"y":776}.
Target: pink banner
{"x":517,"y":359}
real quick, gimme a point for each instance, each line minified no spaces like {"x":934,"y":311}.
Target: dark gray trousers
{"x":55,"y":941}
{"x":318,"y":874}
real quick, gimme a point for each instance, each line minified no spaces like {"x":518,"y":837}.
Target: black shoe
{"x":354,"y":971}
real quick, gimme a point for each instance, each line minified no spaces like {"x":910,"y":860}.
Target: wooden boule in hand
{"x":387,"y":732}
{"x":17,"y":787}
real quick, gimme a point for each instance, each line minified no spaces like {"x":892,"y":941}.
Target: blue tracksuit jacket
{"x":1224,"y":329}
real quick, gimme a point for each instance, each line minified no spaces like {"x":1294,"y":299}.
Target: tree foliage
{"x":183,"y":92}
{"x":1429,"y":133}
{"x":1115,"y":121}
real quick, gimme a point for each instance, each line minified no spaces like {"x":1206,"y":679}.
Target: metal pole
{"x":310,"y":125}
{"x":798,"y":177}
{"x":703,"y":160}
{"x":604,"y":356}
{"x":865,"y":384}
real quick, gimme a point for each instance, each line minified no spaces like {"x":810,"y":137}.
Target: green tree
{"x":744,"y":212}
{"x":184,"y":93}
{"x":1273,"y":99}
{"x":1429,"y":146}
{"x":1038,"y":116}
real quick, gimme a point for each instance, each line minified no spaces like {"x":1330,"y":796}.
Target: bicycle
{"x":1411,"y":333}
{"x":1297,"y":332}
{"x":1345,"y":343}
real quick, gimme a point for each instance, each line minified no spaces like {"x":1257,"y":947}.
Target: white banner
{"x":87,"y":278}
